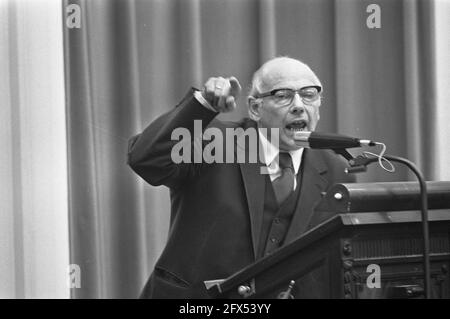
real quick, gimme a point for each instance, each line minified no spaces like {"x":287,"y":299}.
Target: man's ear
{"x":254,"y":108}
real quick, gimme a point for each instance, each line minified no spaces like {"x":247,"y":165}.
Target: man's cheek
{"x":314,"y":117}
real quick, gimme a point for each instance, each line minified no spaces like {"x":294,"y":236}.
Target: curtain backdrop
{"x":133,"y":60}
{"x":34,"y":239}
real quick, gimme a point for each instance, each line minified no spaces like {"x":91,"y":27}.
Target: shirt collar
{"x":271,"y":152}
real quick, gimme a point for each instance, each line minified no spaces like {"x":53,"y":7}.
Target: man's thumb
{"x":235,"y":86}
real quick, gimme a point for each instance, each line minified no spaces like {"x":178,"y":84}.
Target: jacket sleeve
{"x":149,"y":153}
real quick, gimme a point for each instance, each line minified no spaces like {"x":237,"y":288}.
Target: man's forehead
{"x":288,"y":71}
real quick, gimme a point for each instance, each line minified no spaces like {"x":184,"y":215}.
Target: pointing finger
{"x":235,"y":86}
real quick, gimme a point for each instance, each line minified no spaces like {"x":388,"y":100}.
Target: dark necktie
{"x":284,"y":185}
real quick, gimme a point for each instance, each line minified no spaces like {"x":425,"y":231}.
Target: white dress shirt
{"x":270,"y":155}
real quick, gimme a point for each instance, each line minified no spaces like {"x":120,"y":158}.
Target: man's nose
{"x":297,"y":105}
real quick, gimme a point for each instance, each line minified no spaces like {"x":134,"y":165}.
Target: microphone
{"x":329,"y":141}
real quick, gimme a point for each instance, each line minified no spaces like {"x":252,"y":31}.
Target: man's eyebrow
{"x":287,"y":87}
{"x":283,"y":88}
{"x":290,"y":87}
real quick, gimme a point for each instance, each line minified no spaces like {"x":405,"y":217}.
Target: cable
{"x":381,"y":158}
{"x":360,"y":164}
{"x":424,"y":211}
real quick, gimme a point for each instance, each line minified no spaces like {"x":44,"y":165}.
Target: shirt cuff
{"x":198,"y":95}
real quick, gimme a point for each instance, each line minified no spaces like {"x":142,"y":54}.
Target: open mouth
{"x":297,"y":126}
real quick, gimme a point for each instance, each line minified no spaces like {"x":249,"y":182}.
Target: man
{"x":225,"y":216}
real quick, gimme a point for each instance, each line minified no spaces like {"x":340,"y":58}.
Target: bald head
{"x":281,"y":69}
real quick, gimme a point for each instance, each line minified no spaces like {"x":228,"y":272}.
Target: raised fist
{"x":221,"y":93}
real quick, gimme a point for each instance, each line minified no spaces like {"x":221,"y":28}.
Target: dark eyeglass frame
{"x":273,"y":92}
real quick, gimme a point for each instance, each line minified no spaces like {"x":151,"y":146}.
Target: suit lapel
{"x":254,"y":184}
{"x":312,"y":184}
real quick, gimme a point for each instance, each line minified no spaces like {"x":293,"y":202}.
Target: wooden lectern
{"x":368,"y":244}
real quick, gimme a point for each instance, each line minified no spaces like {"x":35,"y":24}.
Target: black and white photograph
{"x":237,"y":150}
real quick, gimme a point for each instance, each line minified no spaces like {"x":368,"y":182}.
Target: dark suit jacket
{"x":216,"y":209}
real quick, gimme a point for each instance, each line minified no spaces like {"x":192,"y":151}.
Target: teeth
{"x":296,"y":129}
{"x":297,"y":126}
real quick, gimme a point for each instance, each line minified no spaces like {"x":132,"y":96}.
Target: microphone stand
{"x":360,"y":163}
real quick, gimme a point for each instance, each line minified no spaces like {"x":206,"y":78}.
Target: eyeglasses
{"x":284,"y":97}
